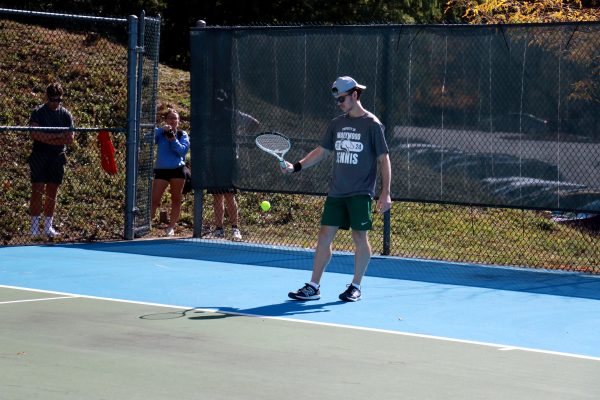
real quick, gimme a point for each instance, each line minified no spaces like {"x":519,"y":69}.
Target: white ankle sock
{"x":35,"y":223}
{"x":48,"y":223}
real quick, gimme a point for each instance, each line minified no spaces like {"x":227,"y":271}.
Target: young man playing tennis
{"x":358,"y":144}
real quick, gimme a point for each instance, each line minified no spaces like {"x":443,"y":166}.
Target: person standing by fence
{"x":224,"y":197}
{"x":48,"y":158}
{"x":172,"y":146}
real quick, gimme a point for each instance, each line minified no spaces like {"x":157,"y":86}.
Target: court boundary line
{"x":33,"y":300}
{"x":499,"y":347}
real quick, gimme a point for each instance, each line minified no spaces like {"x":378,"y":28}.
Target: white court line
{"x":499,"y":347}
{"x":163,"y":266}
{"x":29,"y":300}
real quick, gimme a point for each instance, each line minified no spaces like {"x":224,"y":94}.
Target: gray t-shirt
{"x":356,"y":143}
{"x":44,"y":116}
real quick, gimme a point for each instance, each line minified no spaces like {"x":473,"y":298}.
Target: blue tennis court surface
{"x":505,"y":307}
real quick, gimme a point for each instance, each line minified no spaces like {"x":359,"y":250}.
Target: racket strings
{"x":273,"y":142}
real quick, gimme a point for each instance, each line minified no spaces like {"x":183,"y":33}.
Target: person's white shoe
{"x":51,"y":232}
{"x":237,"y":235}
{"x":170,"y":231}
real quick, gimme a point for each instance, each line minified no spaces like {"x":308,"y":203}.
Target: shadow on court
{"x":287,"y":308}
{"x":567,"y":284}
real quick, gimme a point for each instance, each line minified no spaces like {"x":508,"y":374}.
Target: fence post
{"x":198,"y":192}
{"x":386,"y":116}
{"x":387,"y":233}
{"x":198,"y":212}
{"x":140,"y":50}
{"x":132,"y":123}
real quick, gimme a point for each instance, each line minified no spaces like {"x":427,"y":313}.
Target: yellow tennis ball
{"x":265,"y":205}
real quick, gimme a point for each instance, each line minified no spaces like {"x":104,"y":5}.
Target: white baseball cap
{"x":344,"y":84}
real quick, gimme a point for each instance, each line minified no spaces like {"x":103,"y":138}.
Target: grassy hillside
{"x":93,"y":71}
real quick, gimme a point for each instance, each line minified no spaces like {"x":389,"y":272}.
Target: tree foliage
{"x":179,"y":15}
{"x":542,"y":11}
{"x":525,"y":11}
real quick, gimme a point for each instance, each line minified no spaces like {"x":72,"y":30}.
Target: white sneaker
{"x":51,"y":232}
{"x":170,"y":231}
{"x":237,"y":235}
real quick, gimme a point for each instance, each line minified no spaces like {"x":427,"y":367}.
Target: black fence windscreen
{"x":483,"y":115}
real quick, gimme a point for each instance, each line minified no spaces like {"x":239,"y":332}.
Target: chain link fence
{"x":453,"y":200}
{"x":445,"y":232}
{"x":148,"y":89}
{"x":493,"y":133}
{"x":90,"y":58}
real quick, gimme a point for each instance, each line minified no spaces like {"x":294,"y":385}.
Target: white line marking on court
{"x":30,"y":300}
{"x":418,"y":335}
{"x":499,"y":347}
{"x":163,"y":266}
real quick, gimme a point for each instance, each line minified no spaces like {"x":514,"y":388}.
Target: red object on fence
{"x":107,"y":153}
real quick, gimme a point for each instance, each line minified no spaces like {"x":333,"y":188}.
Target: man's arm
{"x":56,"y":139}
{"x":246,"y":122}
{"x":312,"y":158}
{"x":385,"y":201}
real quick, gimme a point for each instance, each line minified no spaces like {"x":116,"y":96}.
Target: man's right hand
{"x":68,"y":137}
{"x":289,"y":168}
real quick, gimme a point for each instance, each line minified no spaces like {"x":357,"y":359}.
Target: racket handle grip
{"x":282,"y":164}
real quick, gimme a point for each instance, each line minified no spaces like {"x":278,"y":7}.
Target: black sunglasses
{"x":55,"y":99}
{"x":342,"y":99}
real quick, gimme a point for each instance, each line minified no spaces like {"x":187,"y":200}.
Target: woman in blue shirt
{"x":172,"y":146}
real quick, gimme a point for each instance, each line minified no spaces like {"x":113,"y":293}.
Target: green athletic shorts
{"x":346,"y":212}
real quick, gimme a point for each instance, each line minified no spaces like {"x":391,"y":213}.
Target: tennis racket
{"x":275,"y":144}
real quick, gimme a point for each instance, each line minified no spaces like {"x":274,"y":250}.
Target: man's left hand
{"x":384,"y":203}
